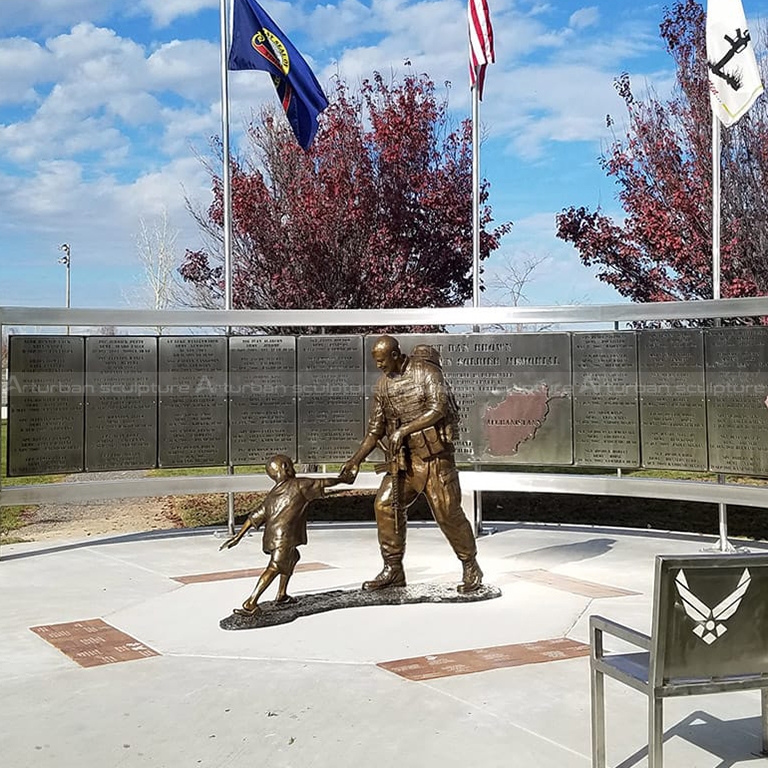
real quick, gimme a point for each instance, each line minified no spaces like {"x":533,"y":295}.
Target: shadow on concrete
{"x":549,"y":557}
{"x":705,"y":539}
{"x":731,"y":741}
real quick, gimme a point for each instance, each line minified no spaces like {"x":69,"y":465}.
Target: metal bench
{"x":709,"y":635}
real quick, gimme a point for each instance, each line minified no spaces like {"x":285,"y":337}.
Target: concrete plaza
{"x":498,"y":683}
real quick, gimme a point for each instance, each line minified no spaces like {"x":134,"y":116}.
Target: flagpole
{"x":734,"y":81}
{"x":226,"y":177}
{"x":724,"y":544}
{"x":715,"y":206}
{"x":226,"y":181}
{"x":478,"y":499}
{"x":476,"y":192}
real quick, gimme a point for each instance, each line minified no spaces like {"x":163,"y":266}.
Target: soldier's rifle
{"x":394,"y":465}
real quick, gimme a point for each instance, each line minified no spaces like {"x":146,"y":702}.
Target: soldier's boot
{"x":472,"y":576}
{"x":392,"y":575}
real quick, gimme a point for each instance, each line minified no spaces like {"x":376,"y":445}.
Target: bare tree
{"x":510,"y":284}
{"x":157,"y":252}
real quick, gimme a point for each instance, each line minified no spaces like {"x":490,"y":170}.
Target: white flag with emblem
{"x":733,"y":75}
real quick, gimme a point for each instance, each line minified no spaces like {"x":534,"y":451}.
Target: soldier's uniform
{"x":399,"y":399}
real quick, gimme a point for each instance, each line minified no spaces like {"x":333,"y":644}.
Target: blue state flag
{"x":258,"y":43}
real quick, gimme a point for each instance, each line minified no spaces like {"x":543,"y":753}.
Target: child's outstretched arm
{"x":235,"y":540}
{"x":329,"y":482}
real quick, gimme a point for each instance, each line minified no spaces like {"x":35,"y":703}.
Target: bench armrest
{"x":599,"y":625}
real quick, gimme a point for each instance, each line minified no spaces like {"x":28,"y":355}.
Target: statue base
{"x":271,"y":614}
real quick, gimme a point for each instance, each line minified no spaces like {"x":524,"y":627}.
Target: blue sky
{"x":104,"y":112}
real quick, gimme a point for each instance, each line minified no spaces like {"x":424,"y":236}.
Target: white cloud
{"x":164,"y":12}
{"x":53,"y":14}
{"x":46,"y":199}
{"x":107,"y":88}
{"x":23,"y":65}
{"x":584,"y":17}
{"x":99,"y":218}
{"x":545,"y":106}
{"x":539,"y":9}
{"x":348,"y":19}
{"x":184,"y":129}
{"x":187,"y":68}
{"x":100,"y":123}
{"x":559,"y":278}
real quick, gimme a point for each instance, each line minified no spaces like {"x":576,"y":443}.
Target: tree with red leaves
{"x":662,"y":250}
{"x":377,"y":214}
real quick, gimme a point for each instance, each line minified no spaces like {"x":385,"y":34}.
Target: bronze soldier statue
{"x":284,"y":516}
{"x":413,"y":407}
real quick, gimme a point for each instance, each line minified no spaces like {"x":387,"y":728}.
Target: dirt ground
{"x":96,"y":518}
{"x":121,"y":516}
{"x":75,"y":521}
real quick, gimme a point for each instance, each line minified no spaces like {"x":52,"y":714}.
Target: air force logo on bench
{"x":709,"y":626}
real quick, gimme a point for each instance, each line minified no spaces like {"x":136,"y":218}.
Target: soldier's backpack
{"x":428,"y":354}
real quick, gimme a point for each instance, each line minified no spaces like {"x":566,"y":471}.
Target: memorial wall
{"x":686,"y":399}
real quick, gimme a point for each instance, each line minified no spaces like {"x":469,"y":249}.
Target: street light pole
{"x":65,"y":259}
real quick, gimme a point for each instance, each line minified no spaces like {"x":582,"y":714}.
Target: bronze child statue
{"x":283,"y":513}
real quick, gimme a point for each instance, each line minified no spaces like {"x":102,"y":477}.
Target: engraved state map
{"x":515,"y":420}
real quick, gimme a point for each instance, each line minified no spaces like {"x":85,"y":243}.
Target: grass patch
{"x":356,"y":505}
{"x":11,"y":519}
{"x":248,"y":469}
{"x":16,"y":517}
{"x":187,"y":471}
{"x":341,"y":506}
{"x":211,"y":508}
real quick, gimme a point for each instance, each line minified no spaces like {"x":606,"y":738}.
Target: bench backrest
{"x":710,"y":617}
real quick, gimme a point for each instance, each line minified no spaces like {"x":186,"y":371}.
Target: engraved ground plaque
{"x":606,"y":419}
{"x":737,"y":386}
{"x":262,"y":404}
{"x":46,"y":390}
{"x":121,"y":404}
{"x":516,"y":392}
{"x":330,"y":407}
{"x":192,"y":417}
{"x":673,"y":429}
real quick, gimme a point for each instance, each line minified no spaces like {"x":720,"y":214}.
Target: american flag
{"x":480,"y":43}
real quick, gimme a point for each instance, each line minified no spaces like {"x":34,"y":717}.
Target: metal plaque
{"x":121,"y":402}
{"x":515,"y":390}
{"x":673,"y":421}
{"x":262,"y":398}
{"x":737,"y":386}
{"x":330,"y":392}
{"x":606,"y":420}
{"x":192,"y":386}
{"x":46,"y":390}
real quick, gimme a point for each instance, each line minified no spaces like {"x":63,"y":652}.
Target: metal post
{"x":724,"y":544}
{"x":477,"y":496}
{"x":475,"y":194}
{"x":226,"y":177}
{"x":616,"y":328}
{"x":1,"y":395}
{"x":715,"y":207}
{"x":66,"y":259}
